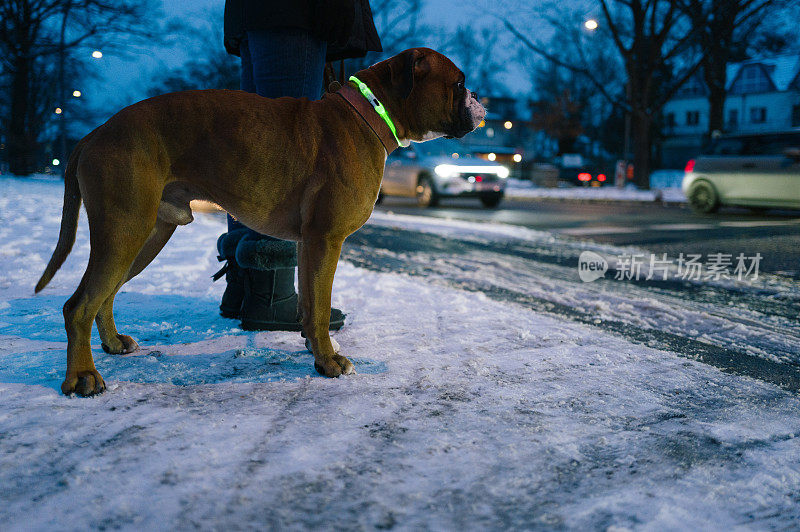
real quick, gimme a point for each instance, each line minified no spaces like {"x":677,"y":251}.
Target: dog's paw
{"x":122,"y":344}
{"x":334,"y":366}
{"x":84,"y":383}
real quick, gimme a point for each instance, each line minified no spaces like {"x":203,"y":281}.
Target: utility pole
{"x":626,"y":148}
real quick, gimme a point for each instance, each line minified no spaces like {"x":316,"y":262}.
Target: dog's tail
{"x":69,"y":219}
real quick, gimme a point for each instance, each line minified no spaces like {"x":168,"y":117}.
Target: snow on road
{"x":758,"y":316}
{"x":665,"y":187}
{"x":467,"y":412}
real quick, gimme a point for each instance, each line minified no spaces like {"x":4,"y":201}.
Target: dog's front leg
{"x":317,"y":258}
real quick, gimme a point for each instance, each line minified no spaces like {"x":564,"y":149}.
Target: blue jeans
{"x":281,"y":62}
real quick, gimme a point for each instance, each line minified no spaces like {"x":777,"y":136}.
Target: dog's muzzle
{"x":469,"y":115}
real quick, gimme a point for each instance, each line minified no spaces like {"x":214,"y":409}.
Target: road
{"x":671,"y":229}
{"x":746,"y":328}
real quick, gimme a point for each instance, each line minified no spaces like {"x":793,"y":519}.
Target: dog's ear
{"x":410,"y":66}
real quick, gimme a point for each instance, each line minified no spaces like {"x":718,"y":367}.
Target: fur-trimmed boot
{"x":270,"y":301}
{"x":234,"y":291}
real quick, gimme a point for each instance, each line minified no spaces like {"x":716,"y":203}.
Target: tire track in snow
{"x":395,"y":250}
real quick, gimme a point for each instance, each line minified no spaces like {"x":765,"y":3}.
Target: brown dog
{"x":301,"y":170}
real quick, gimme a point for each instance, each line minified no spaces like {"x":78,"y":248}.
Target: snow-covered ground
{"x":467,"y":411}
{"x":665,"y":186}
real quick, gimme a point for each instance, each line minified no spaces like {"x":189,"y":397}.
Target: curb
{"x":667,"y":203}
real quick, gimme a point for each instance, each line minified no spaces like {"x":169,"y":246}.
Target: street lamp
{"x":590,"y":24}
{"x":77,"y":94}
{"x":97,"y":54}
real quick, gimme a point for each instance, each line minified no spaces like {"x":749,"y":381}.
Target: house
{"x":763,"y":96}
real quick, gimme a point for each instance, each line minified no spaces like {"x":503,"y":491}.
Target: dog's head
{"x":430,"y":95}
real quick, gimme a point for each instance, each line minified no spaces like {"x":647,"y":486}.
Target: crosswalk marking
{"x":601,"y":230}
{"x":680,"y":227}
{"x":761,"y":223}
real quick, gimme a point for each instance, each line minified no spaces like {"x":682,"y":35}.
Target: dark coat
{"x":346,"y":25}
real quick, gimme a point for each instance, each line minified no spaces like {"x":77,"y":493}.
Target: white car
{"x":442,"y":168}
{"x":755,"y":171}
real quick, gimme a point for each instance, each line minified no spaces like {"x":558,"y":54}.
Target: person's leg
{"x":231,"y":303}
{"x":281,"y":62}
{"x":248,"y":84}
{"x":287,"y":62}
{"x":276,"y":63}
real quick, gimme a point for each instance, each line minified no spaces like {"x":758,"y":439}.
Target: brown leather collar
{"x":373,"y":120}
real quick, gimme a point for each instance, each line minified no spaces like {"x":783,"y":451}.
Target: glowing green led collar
{"x":377,"y":105}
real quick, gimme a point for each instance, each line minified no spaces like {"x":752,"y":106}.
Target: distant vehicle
{"x":541,"y":174}
{"x":755,"y":171}
{"x":439,"y":169}
{"x":509,"y":157}
{"x":575,"y":169}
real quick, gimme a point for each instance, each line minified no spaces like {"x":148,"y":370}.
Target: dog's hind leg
{"x":170,"y":216}
{"x":115,"y":243}
{"x":112,"y":341}
{"x":155,"y":243}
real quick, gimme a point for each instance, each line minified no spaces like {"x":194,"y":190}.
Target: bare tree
{"x":477,"y":54}
{"x":559,"y":117}
{"x":33,"y":34}
{"x":566,"y":104}
{"x":397,"y":22}
{"x":210,"y":66}
{"x":652,"y":38}
{"x":399,"y":27}
{"x":721,"y":27}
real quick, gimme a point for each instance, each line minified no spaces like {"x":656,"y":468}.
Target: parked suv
{"x":756,"y":171}
{"x":442,"y":168}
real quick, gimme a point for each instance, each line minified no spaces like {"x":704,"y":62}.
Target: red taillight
{"x":689,"y":166}
{"x":478,"y":178}
{"x":583,"y":176}
{"x":601,"y":177}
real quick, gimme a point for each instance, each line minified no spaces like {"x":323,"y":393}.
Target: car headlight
{"x":446,"y":170}
{"x":451,"y":170}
